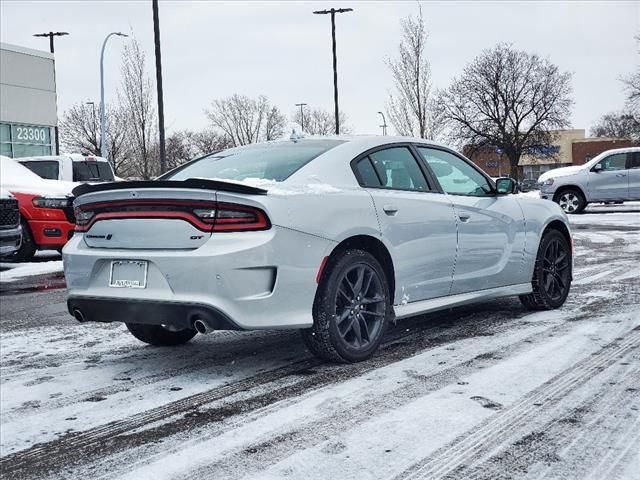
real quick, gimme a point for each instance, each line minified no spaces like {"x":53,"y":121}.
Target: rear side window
{"x":92,"y":171}
{"x":269,"y":161}
{"x":635,"y":160}
{"x":394,"y":168}
{"x":45,"y":169}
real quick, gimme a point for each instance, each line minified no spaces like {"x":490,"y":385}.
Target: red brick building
{"x":584,"y":150}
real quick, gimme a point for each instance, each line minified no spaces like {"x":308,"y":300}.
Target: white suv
{"x":612,"y":176}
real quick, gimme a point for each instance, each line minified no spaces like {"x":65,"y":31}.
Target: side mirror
{"x":506,"y":185}
{"x":597,"y":168}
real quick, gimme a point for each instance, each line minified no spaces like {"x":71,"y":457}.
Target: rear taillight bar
{"x":205,"y":215}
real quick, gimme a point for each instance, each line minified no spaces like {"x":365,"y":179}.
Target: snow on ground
{"x":485,"y":391}
{"x":44,"y":262}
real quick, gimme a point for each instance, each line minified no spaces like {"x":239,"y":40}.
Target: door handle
{"x":621,"y":174}
{"x":390,"y":209}
{"x":464,"y":218}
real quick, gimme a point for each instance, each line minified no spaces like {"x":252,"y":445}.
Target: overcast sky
{"x":212,"y":49}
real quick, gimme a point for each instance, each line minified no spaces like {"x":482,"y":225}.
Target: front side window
{"x":614,"y":162}
{"x":45,"y":169}
{"x":269,"y":161}
{"x":454,"y":174}
{"x":394,"y":168}
{"x":635,"y":160}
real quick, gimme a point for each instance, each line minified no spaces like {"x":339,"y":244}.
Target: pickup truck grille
{"x":9,"y":213}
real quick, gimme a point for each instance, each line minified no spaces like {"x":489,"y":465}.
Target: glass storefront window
{"x":24,"y":140}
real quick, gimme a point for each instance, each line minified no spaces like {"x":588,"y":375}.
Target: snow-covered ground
{"x":487,"y":391}
{"x":44,"y":262}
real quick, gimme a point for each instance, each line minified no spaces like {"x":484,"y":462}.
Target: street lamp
{"x":103,"y":142}
{"x":301,"y":105}
{"x":52,"y":50}
{"x":384,"y":124}
{"x":333,"y":12}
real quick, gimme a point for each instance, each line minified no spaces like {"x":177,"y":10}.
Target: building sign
{"x":24,"y":140}
{"x":492,"y":164}
{"x":544,"y":151}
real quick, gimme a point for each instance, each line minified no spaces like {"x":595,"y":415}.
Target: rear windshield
{"x":269,"y":161}
{"x":92,"y":171}
{"x":48,"y":169}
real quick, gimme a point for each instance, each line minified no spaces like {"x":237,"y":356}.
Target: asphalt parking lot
{"x":488,"y":391}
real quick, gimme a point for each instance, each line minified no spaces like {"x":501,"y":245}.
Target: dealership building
{"x":28,"y":114}
{"x":569,"y":147}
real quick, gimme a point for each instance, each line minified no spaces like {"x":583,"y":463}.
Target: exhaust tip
{"x":78,"y":315}
{"x":200,"y":326}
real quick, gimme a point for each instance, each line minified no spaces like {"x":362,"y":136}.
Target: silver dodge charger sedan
{"x":334,"y":236}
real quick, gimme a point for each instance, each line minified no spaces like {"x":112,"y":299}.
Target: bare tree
{"x":617,"y":125}
{"x":632,"y":86}
{"x":410,"y":107}
{"x":136,"y":98}
{"x":321,"y":122}
{"x":208,"y":141}
{"x":246,"y":120}
{"x":507,"y":99}
{"x":80,"y":132}
{"x":185,"y":145}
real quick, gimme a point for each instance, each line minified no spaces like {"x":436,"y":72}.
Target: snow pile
{"x":16,"y":271}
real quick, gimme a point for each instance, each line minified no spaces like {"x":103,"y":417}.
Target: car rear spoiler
{"x":195,"y":183}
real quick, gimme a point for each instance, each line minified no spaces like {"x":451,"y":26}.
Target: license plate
{"x":128,"y":274}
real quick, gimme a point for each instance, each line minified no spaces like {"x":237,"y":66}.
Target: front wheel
{"x":551,"y":274}
{"x":27,"y":247}
{"x":571,"y":201}
{"x":159,"y":334}
{"x":351,"y":309}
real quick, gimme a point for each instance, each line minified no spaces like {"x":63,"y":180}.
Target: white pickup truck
{"x":70,"y":168}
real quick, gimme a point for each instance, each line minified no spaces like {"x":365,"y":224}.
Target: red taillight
{"x":204,"y":215}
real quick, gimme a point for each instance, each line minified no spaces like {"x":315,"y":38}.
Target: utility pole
{"x":103,"y":128}
{"x":384,"y":124}
{"x":301,"y":105}
{"x":52,"y":50}
{"x":156,"y":36}
{"x":333,"y":12}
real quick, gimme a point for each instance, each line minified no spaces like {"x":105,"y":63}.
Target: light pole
{"x":156,"y":37}
{"x":93,"y":122}
{"x":384,"y":124}
{"x":103,"y":140}
{"x":301,"y":105}
{"x":333,"y":12}
{"x":52,"y":50}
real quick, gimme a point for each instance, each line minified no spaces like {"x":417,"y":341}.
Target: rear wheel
{"x":27,"y":248}
{"x":551,"y":275}
{"x":571,"y":200}
{"x":159,"y":334}
{"x":351,"y":309}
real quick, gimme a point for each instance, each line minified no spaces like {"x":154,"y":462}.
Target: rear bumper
{"x":245,"y":280}
{"x":10,"y":240}
{"x":152,"y":312}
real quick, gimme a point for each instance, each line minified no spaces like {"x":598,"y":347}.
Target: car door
{"x":608,"y":179}
{"x":491,"y":231}
{"x":634,"y":175}
{"x":418,"y":222}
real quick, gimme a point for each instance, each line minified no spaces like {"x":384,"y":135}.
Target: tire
{"x":28,"y":248}
{"x":351,"y":310}
{"x":571,"y":200}
{"x":159,"y":335}
{"x":551,"y":273}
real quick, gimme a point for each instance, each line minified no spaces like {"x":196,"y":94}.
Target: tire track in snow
{"x":492,"y":432}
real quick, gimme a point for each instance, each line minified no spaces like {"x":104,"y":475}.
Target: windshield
{"x":92,"y":171}
{"x":48,"y":169}
{"x":270,"y":161}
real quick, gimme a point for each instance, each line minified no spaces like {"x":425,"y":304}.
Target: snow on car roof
{"x":18,"y":178}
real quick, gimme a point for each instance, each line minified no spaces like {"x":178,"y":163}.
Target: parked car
{"x":612,"y":176}
{"x":528,"y":184}
{"x":10,"y":230}
{"x":336,"y":237}
{"x":46,"y":208}
{"x":70,"y":168}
